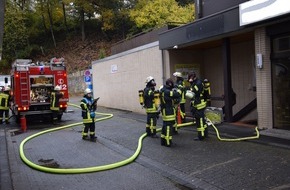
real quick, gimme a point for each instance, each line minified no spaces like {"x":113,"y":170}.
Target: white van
{"x":5,"y":80}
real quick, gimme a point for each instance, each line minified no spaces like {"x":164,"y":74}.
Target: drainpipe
{"x":198,"y":9}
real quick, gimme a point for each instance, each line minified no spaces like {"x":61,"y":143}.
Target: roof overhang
{"x":209,"y":31}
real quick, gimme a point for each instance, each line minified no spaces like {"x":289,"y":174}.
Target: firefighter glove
{"x":93,"y":115}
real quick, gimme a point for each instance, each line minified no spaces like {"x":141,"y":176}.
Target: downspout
{"x":198,"y":9}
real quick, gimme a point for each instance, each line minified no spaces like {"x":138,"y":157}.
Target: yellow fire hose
{"x":103,"y":167}
{"x":218,"y":135}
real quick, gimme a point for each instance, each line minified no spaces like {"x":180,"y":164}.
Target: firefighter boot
{"x":93,"y":138}
{"x":163,"y":142}
{"x":169,"y":143}
{"x":206,"y":132}
{"x":175,"y":131}
{"x":85,"y":138}
{"x":153,"y":135}
{"x":200,"y":137}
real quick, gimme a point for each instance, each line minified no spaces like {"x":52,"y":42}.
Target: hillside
{"x":78,"y":54}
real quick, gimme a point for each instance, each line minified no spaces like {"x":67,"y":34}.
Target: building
{"x":238,"y":45}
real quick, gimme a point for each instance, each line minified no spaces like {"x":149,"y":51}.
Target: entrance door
{"x":281,"y":82}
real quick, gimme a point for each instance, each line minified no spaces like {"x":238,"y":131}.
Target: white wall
{"x":119,"y":89}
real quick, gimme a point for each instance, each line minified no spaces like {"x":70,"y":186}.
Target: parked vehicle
{"x":32,"y":83}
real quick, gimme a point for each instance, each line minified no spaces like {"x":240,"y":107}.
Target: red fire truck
{"x":32,"y":83}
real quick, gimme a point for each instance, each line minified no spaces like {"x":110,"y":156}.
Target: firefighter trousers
{"x":202,"y":130}
{"x":89,"y":128}
{"x":182,"y":109}
{"x":151,"y":124}
{"x":54,"y":115}
{"x":2,"y":112}
{"x":166,"y":133}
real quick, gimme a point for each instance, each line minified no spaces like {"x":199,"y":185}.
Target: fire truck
{"x":32,"y":83}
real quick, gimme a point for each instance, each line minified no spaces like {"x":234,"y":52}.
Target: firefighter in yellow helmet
{"x":55,"y":95}
{"x":207,"y":92}
{"x":169,"y":95}
{"x":89,"y":107}
{"x":180,"y":84}
{"x":5,"y":100}
{"x":198,"y":105}
{"x":151,"y":107}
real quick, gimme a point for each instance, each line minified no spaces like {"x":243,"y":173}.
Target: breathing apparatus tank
{"x":157,"y":98}
{"x":141,"y":97}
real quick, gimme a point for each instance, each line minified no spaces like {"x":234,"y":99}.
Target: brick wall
{"x":118,"y":78}
{"x":264,"y":82}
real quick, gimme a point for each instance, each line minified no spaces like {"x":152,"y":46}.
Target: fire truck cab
{"x":32,"y":84}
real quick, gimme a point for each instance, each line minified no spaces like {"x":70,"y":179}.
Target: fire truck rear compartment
{"x":40,"y":94}
{"x":32,"y":84}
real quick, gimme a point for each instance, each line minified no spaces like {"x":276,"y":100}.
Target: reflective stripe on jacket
{"x":167,"y":103}
{"x":54,"y":100}
{"x":181,"y":86}
{"x":85,"y":104}
{"x":198,"y":101}
{"x":4,"y":101}
{"x":149,"y":100}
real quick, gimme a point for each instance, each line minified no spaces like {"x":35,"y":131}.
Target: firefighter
{"x":88,"y":113}
{"x":151,"y":106}
{"x":198,"y":105}
{"x":180,"y":84}
{"x":5,"y":100}
{"x":54,"y":103}
{"x":207,"y":93}
{"x":169,"y":95}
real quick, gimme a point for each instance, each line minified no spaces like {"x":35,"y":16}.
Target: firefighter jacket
{"x":168,"y":98}
{"x":207,"y":92}
{"x":180,"y":84}
{"x":149,"y":101}
{"x":198,"y":100}
{"x":54,"y":100}
{"x":5,"y":100}
{"x":88,"y":109}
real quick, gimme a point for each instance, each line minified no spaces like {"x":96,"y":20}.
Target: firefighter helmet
{"x":57,"y":88}
{"x":7,"y":88}
{"x":177,"y":74}
{"x":87,"y":91}
{"x":148,"y":79}
{"x":189,"y":94}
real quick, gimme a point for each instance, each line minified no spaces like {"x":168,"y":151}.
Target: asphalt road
{"x":188,"y":164}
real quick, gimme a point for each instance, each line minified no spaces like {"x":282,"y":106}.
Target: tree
{"x":48,"y":6}
{"x":15,"y":39}
{"x":82,"y":9}
{"x":157,"y":13}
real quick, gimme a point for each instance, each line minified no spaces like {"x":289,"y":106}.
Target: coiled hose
{"x":103,"y":167}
